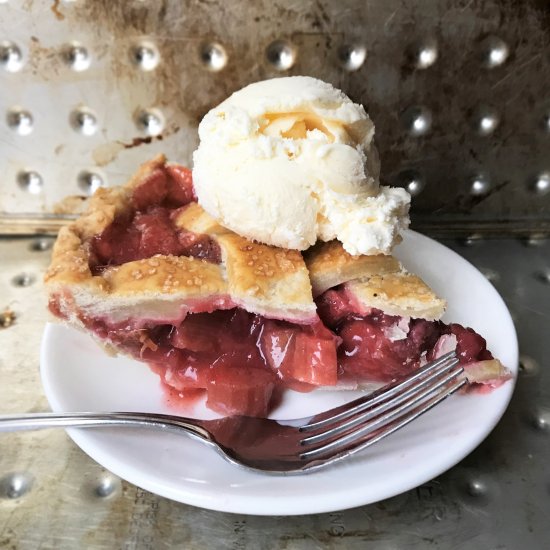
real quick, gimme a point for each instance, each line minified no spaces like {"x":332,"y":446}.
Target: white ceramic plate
{"x":78,"y":376}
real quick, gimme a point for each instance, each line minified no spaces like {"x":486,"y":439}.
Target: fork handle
{"x":39,"y":421}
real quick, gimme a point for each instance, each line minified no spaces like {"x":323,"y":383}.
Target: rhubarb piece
{"x":232,"y":390}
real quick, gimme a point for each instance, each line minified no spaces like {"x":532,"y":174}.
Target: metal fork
{"x":289,"y":446}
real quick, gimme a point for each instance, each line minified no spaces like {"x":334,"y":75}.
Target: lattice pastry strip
{"x":379,"y":282}
{"x":261,"y":279}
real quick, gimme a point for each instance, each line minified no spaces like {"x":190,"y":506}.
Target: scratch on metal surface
{"x":513,"y":98}
{"x":516,"y":70}
{"x":389,"y":19}
{"x":465,"y":7}
{"x":521,"y":306}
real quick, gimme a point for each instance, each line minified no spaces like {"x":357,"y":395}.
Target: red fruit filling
{"x":379,"y":347}
{"x":240,"y":359}
{"x":149,"y":228}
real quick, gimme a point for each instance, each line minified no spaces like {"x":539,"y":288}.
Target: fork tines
{"x":365,"y":421}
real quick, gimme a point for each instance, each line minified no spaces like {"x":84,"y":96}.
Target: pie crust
{"x":261,"y":279}
{"x":379,"y":282}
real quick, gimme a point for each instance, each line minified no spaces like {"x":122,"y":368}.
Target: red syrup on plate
{"x":243,"y":360}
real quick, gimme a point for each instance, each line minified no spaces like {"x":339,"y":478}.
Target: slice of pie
{"x":387,"y":320}
{"x":149,"y":274}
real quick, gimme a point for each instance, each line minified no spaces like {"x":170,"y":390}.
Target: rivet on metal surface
{"x":145,"y":55}
{"x":495,"y":51}
{"x":76,"y":56}
{"x":352,"y":56}
{"x":473,"y":487}
{"x":89,"y":181}
{"x":425,"y":54}
{"x":490,"y":274}
{"x":41,"y":245}
{"x":23,"y":279}
{"x":541,"y":184}
{"x":412,"y":181}
{"x":528,"y":366}
{"x":7,"y":318}
{"x":476,"y":488}
{"x":417,"y":120}
{"x":15,"y":485}
{"x":544,"y":276}
{"x":20,"y":121}
{"x":107,"y":486}
{"x":150,"y":121}
{"x":536,"y":239}
{"x":11,"y":57}
{"x":84,"y":121}
{"x":213,"y":56}
{"x":487,"y":121}
{"x":479,"y":185}
{"x":471,"y":240}
{"x":30,"y":181}
{"x":281,"y":54}
{"x":540,"y":419}
{"x":547,"y":122}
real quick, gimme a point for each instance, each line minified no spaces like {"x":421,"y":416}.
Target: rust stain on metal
{"x":122,"y":16}
{"x":106,"y":153}
{"x":55,"y":9}
{"x":44,"y":60}
{"x":136,"y":142}
{"x":7,"y":318}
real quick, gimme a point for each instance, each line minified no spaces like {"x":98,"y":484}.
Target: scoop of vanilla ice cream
{"x":290,"y":160}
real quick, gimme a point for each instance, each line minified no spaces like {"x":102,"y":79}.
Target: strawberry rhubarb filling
{"x":376,"y":347}
{"x":240,"y":360}
{"x":149,"y":227}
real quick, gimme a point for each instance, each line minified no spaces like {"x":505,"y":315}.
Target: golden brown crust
{"x":166,"y":275}
{"x":379,"y":281}
{"x":256,"y":273}
{"x":401,"y":294}
{"x":262,"y":274}
{"x":330,"y":265}
{"x":194,"y":218}
{"x":262,"y":279}
{"x":70,"y":255}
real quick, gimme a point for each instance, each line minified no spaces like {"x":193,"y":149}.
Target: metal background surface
{"x":459,"y":92}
